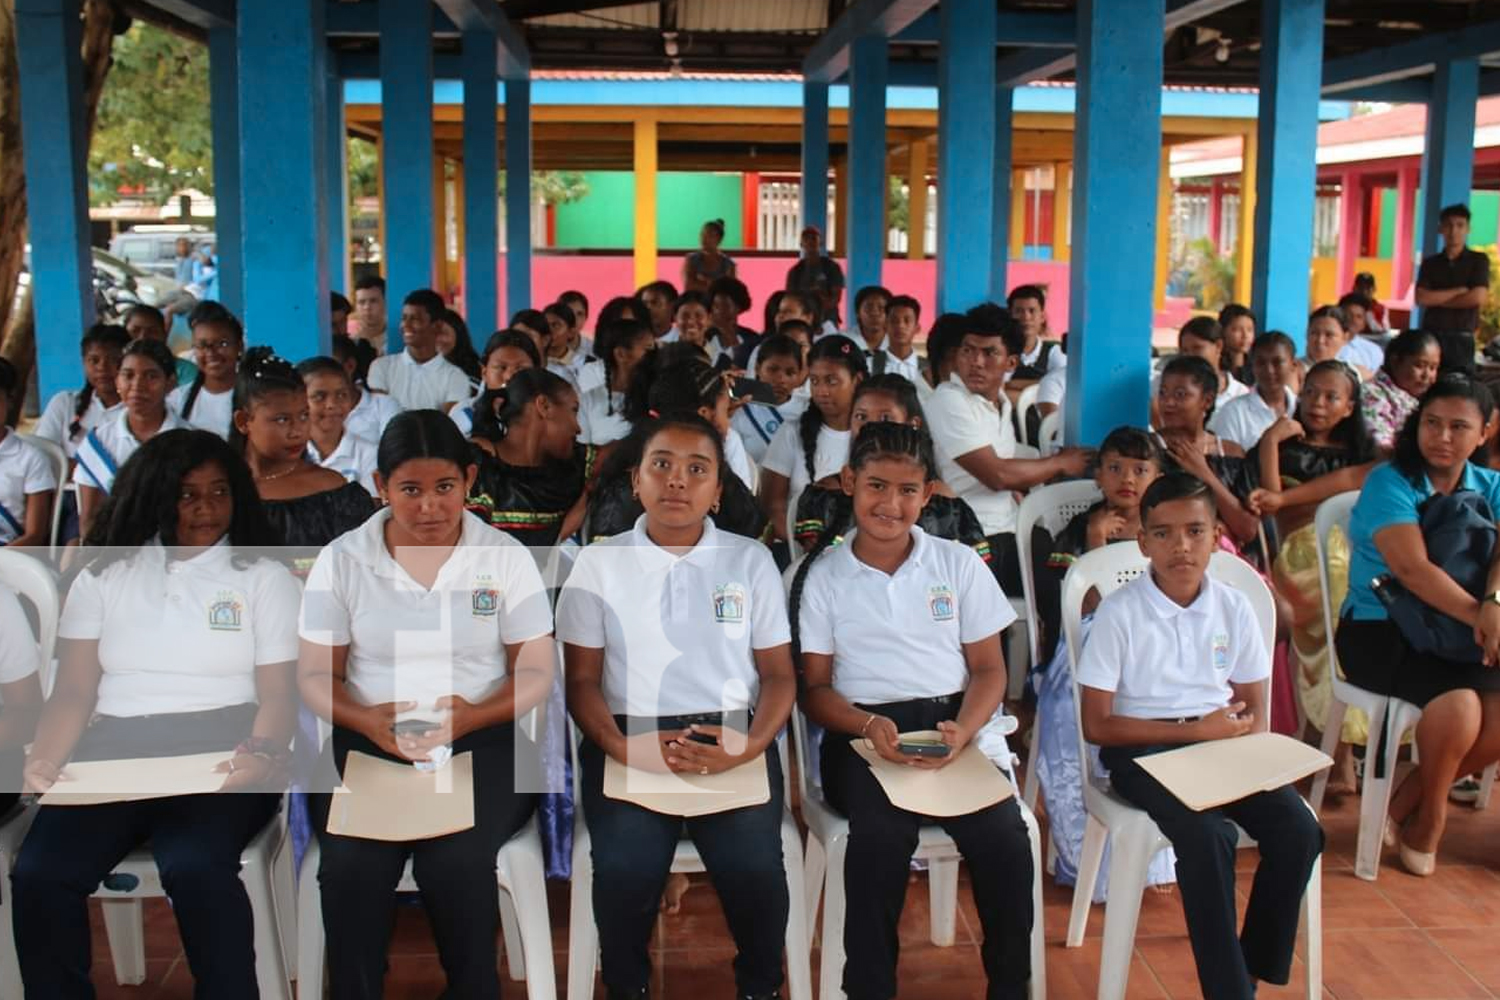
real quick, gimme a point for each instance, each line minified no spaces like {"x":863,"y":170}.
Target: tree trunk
{"x":102,"y":21}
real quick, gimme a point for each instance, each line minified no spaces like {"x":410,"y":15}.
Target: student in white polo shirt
{"x":1174,"y":658}
{"x":371,"y":410}
{"x":179,"y":638}
{"x":425,"y":614}
{"x":330,"y":397}
{"x":1273,"y":358}
{"x":70,"y":414}
{"x":20,"y":694}
{"x":207,"y":402}
{"x":28,"y":480}
{"x":866,"y":612}
{"x":505,"y":353}
{"x":420,"y":378}
{"x":974,"y":436}
{"x":621,"y":345}
{"x":676,"y":633}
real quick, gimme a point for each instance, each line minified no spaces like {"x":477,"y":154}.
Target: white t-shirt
{"x":898,"y":637}
{"x":19,"y":657}
{"x":58,"y":416}
{"x":737,"y":459}
{"x":107,"y":447}
{"x":353,"y":458}
{"x":1245,"y":418}
{"x":962,"y":421}
{"x":370,"y":415}
{"x":1363,"y":352}
{"x":24,"y":469}
{"x":411,"y":643}
{"x":909,"y":368}
{"x":678,"y":632}
{"x":600,"y":416}
{"x":221,"y":622}
{"x":212,"y":411}
{"x":1166,"y":661}
{"x":784,"y":455}
{"x":419,"y":386}
{"x":1055,"y":357}
{"x":1053,"y":386}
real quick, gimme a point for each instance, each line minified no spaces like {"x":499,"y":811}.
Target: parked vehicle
{"x":154,"y":248}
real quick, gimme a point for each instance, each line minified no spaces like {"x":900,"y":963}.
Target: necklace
{"x":278,"y":475}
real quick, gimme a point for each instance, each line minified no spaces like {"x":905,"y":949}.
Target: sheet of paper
{"x":689,"y":794}
{"x":96,"y":782}
{"x":968,"y":784}
{"x":383,"y":800}
{"x":1214,"y":772}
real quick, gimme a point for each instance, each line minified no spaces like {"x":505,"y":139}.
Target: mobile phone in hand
{"x":924,"y":748}
{"x":414,"y":727}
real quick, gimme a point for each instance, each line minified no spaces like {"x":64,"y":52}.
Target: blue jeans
{"x":632,"y":854}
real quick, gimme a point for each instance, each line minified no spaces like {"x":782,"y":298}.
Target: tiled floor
{"x":1400,"y":938}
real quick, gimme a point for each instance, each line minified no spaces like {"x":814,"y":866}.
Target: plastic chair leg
{"x":1037,"y":988}
{"x":1017,"y":657}
{"x":942,"y":888}
{"x":583,"y":936}
{"x":10,"y":962}
{"x":1486,"y":785}
{"x":1033,"y":786}
{"x":814,"y":864}
{"x":310,"y":942}
{"x":798,"y":932}
{"x":1312,"y":927}
{"x":1375,"y":797}
{"x":531,"y":954}
{"x":1333,"y":727}
{"x":127,"y":941}
{"x":1129,"y":861}
{"x":271,"y":974}
{"x":1095,"y":836}
{"x":285,"y":899}
{"x":510,"y":933}
{"x":831,"y":969}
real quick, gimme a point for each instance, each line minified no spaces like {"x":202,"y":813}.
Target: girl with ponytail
{"x":704,"y":266}
{"x":218,"y":344}
{"x":70,"y":415}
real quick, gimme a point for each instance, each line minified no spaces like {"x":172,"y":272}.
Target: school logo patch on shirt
{"x":729,"y":604}
{"x":226,"y":612}
{"x":941,"y":603}
{"x":1221,"y":650}
{"x":484,"y":600}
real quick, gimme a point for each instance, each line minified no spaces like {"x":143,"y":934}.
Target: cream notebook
{"x":970,"y":783}
{"x":384,"y":800}
{"x":1209,"y":774}
{"x":96,"y":782}
{"x":689,"y":794}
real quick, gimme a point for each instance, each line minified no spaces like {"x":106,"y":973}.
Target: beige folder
{"x":1209,"y":774}
{"x":383,"y":800}
{"x":96,"y":782}
{"x":689,"y":794}
{"x":967,"y":784}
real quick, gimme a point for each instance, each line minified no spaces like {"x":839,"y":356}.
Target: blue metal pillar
{"x":406,"y":117}
{"x":868,"y":66}
{"x":815,"y":156}
{"x":55,"y":151}
{"x":1286,"y":182}
{"x":1000,"y":201}
{"x":517,"y":194}
{"x":1113,"y":270}
{"x":1448,"y":163}
{"x":224,"y":110}
{"x":966,"y":142}
{"x":285,"y":235}
{"x":481,"y":185}
{"x":336,"y":148}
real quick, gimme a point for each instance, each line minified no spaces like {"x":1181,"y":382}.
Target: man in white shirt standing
{"x":419,"y":378}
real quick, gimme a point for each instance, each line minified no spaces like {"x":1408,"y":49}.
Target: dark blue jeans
{"x":632,"y":853}
{"x":196,"y":840}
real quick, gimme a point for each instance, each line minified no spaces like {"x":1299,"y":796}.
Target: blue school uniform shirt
{"x":1390,"y":498}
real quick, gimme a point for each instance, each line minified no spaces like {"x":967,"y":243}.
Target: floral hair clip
{"x":653,"y":414}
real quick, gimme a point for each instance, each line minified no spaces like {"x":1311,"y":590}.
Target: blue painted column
{"x":406,"y":117}
{"x":55,"y":152}
{"x":517,"y":195}
{"x":1448,"y":163}
{"x":1118,"y":157}
{"x":966,"y":142}
{"x":336,"y":174}
{"x":481,"y":185}
{"x":224,"y":111}
{"x":285,"y":236}
{"x":815,"y":156}
{"x":1000,"y":201}
{"x":1286,"y":182}
{"x":868,"y":69}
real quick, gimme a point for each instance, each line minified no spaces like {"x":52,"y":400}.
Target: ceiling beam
{"x":829,"y":58}
{"x":204,"y":14}
{"x":512,"y":60}
{"x":1040,"y":29}
{"x":362,"y":20}
{"x":1417,"y":57}
{"x":521,"y":9}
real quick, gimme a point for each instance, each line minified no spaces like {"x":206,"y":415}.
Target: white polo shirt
{"x":24,"y":469}
{"x":784,"y":455}
{"x":962,"y":421}
{"x":1363,"y":352}
{"x":910,"y":368}
{"x":58,"y":417}
{"x":678,"y":632}
{"x":600,"y":416}
{"x":107,"y":447}
{"x":220,"y":620}
{"x":370,"y":415}
{"x":1053,"y":386}
{"x":419,"y":386}
{"x":212,"y":411}
{"x":1245,"y":418}
{"x":757,"y":423}
{"x":1165,"y":661}
{"x":353,"y":458}
{"x":737,"y":459}
{"x":900,"y":636}
{"x":19,"y":657}
{"x":411,"y":643}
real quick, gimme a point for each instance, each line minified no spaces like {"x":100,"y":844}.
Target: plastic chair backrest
{"x":1335,"y":511}
{"x":1025,"y":451}
{"x":34,"y":580}
{"x":1053,"y":507}
{"x":59,"y":459}
{"x":1049,"y":435}
{"x":1024,"y":402}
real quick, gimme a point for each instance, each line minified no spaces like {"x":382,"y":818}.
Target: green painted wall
{"x":1484,"y":205}
{"x":605,"y":218}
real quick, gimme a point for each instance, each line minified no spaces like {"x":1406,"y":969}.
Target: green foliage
{"x":153,"y":133}
{"x":364,"y":168}
{"x":1489,"y":313}
{"x":1202,"y":273}
{"x":898,"y":204}
{"x":554,"y":187}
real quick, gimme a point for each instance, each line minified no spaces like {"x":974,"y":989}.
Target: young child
{"x":899,"y":355}
{"x":565,"y":354}
{"x":329,"y":442}
{"x":1244,"y":419}
{"x":1173,"y":658}
{"x":371,"y":410}
{"x":869,"y":328}
{"x":28,"y":481}
{"x":505,"y":353}
{"x":621,"y":346}
{"x":778,"y":365}
{"x":70,"y":415}
{"x":420,"y":377}
{"x":207,"y":402}
{"x":937,"y":604}
{"x":1238,"y":324}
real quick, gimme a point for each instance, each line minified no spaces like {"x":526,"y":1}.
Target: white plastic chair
{"x":1024,"y":402}
{"x":1053,"y":507}
{"x":33,"y":581}
{"x":583,"y":933}
{"x":827,"y":840}
{"x":1135,"y":837}
{"x":1399,"y":716}
{"x":1049,"y":435}
{"x":59,"y":459}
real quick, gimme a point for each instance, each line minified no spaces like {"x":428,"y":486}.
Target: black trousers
{"x":1290,"y":840}
{"x":197,"y":841}
{"x":632,"y":855}
{"x":456,"y":876}
{"x":1005,"y":562}
{"x":877,"y":863}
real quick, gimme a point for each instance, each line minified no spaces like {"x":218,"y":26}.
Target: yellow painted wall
{"x":1324,"y":290}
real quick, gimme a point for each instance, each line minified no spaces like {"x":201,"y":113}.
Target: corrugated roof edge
{"x":643,"y":76}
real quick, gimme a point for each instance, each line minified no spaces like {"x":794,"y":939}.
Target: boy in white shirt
{"x":780,"y":367}
{"x":899,"y":356}
{"x":420,"y":378}
{"x":1175,"y":658}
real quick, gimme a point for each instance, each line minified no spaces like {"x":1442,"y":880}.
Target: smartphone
{"x":414,"y":727}
{"x":755,"y":390}
{"x":924,"y":748}
{"x":704,"y":738}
